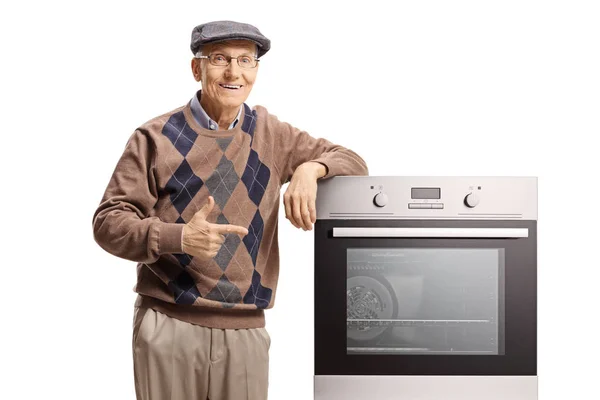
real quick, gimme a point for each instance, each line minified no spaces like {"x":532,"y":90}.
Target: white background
{"x":415,"y":87}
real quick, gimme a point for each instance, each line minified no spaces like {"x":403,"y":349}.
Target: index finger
{"x":228,"y":228}
{"x":312,"y":209}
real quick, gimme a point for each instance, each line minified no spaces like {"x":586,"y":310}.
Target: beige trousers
{"x":175,"y":360}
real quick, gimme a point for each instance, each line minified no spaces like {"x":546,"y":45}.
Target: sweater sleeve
{"x":294,"y":147}
{"x":121,"y":223}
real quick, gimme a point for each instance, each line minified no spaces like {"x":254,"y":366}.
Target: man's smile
{"x":230,"y":87}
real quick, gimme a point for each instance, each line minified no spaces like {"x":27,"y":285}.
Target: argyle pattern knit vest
{"x":237,"y":197}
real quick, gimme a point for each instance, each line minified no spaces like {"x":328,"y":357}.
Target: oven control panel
{"x":351,"y":197}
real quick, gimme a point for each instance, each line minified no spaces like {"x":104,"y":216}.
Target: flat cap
{"x":220,"y":31}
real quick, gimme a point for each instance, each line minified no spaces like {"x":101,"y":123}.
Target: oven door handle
{"x":503,"y":233}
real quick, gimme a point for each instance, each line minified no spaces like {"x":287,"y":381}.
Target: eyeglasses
{"x":221,"y":60}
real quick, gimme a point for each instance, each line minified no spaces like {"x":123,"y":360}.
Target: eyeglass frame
{"x":229,"y":58}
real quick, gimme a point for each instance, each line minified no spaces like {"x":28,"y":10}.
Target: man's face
{"x":225,"y":87}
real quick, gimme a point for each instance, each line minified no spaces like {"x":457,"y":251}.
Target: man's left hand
{"x":301,"y":195}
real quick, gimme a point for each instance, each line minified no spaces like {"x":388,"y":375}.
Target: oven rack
{"x":372,"y":323}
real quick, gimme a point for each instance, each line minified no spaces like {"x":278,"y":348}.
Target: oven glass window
{"x":425,"y":301}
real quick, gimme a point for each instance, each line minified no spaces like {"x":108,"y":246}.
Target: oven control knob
{"x":380,"y":199}
{"x":471,"y":200}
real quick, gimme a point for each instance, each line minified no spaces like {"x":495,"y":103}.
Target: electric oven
{"x":425,"y":288}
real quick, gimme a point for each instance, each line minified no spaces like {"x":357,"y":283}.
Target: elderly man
{"x":194,"y":200}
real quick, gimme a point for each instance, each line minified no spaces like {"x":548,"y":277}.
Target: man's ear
{"x":196,"y":70}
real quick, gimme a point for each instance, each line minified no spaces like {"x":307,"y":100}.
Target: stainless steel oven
{"x":425,"y":288}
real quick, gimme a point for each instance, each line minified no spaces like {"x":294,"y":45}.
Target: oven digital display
{"x":425,"y":193}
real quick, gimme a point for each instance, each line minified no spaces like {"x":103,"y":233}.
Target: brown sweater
{"x":168,"y":169}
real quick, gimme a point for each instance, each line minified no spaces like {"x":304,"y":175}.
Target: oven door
{"x":417,"y":297}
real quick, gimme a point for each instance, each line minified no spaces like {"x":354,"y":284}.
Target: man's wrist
{"x":317,"y":169}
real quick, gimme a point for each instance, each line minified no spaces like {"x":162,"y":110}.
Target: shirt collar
{"x":202,"y":117}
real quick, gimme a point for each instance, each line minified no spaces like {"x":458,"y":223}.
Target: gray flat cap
{"x":220,"y":31}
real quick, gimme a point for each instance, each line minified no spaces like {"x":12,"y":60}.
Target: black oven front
{"x":425,"y":297}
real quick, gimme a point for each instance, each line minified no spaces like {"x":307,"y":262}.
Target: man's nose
{"x":233,"y":69}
